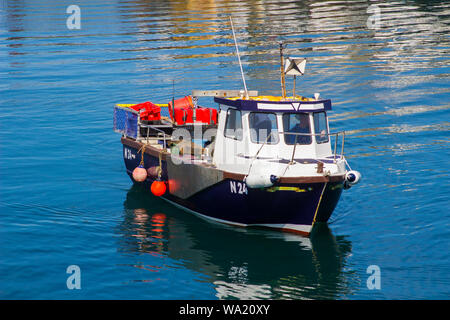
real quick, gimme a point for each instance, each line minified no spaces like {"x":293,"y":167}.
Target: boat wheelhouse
{"x":286,"y":133}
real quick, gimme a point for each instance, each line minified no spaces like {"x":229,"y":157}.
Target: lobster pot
{"x":126,"y":121}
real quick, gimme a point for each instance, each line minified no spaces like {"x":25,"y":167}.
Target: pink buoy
{"x":153,"y":172}
{"x":139,"y":174}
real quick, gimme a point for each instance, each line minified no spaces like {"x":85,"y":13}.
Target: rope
{"x":256,"y":155}
{"x":292,"y":159}
{"x":142,"y":150}
{"x":160,"y":166}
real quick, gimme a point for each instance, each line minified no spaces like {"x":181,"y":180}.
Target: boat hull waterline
{"x":289,"y":205}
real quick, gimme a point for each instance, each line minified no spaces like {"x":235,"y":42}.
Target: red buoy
{"x":139,"y":174}
{"x":158,"y":188}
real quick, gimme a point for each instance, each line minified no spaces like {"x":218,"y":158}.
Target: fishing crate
{"x":126,"y":121}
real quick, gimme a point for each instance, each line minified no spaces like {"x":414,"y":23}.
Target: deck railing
{"x":335,"y":134}
{"x":155,"y":128}
{"x":336,"y":138}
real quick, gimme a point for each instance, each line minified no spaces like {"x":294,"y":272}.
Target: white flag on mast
{"x":295,"y":66}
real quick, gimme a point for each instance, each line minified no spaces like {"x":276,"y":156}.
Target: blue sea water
{"x":65,"y":198}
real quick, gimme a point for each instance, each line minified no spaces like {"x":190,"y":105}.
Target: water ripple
{"x":64,"y":194}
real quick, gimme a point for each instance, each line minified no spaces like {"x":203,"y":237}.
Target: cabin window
{"x":263,"y":127}
{"x":233,"y":124}
{"x":320,"y":127}
{"x":298,"y":125}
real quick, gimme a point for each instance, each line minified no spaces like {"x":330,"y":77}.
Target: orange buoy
{"x":158,"y":188}
{"x":139,"y":174}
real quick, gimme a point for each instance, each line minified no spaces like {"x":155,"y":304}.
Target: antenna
{"x":283,"y":82}
{"x":171,"y":109}
{"x":239,"y":58}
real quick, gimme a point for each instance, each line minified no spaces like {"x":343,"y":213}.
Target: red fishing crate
{"x":206,"y":115}
{"x":148,"y":111}
{"x":183,"y":112}
{"x":202,"y":114}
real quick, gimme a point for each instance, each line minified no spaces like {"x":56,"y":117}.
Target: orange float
{"x":158,"y":188}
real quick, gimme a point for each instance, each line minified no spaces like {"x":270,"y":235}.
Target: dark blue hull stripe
{"x":230,"y":201}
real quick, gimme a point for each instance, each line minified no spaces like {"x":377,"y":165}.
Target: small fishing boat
{"x":251,"y":161}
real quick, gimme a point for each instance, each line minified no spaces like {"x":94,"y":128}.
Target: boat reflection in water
{"x":240,"y":263}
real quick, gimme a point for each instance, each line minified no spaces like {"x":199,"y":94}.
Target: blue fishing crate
{"x":126,"y":121}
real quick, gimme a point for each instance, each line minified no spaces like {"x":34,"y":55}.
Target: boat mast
{"x":239,"y":59}
{"x":283,"y":82}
